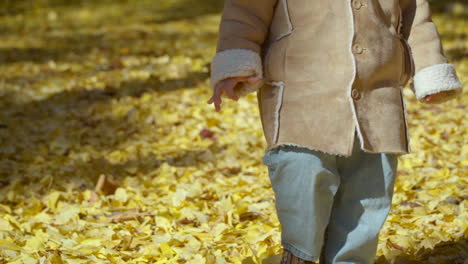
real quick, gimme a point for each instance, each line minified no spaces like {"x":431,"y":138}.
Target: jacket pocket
{"x":281,"y":25}
{"x":270,"y":100}
{"x":408,"y":64}
{"x":274,"y":60}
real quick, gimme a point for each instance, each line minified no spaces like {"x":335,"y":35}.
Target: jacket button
{"x":357,"y":4}
{"x":357,"y":49}
{"x":355,"y":94}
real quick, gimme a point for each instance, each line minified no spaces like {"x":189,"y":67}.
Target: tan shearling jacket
{"x":333,"y":68}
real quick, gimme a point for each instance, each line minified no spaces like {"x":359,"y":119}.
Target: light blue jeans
{"x":331,"y":207}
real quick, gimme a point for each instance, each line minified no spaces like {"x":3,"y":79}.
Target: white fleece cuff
{"x":434,"y":79}
{"x":237,"y":63}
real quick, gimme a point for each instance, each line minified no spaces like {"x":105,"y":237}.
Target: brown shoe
{"x":288,"y":258}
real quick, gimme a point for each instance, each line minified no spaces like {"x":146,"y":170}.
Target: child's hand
{"x":439,"y":97}
{"x":227,"y":85}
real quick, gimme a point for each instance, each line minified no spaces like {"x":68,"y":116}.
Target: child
{"x":328,"y":77}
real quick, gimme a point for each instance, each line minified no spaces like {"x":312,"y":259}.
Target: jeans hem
{"x":297,"y":252}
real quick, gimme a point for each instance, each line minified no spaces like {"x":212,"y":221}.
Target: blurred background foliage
{"x":13,"y":7}
{"x":21,"y":6}
{"x":186,"y":7}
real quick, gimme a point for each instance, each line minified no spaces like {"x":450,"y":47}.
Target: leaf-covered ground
{"x":110,"y":154}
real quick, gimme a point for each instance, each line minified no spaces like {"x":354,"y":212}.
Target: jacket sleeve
{"x":432,"y":71}
{"x":243,"y":29}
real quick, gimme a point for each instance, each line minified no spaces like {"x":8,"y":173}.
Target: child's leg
{"x":361,"y":206}
{"x":304,"y":183}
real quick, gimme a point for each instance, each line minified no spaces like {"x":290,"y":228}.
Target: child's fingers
{"x":429,"y":97}
{"x":213,"y":97}
{"x":253,"y":79}
{"x":217,"y":98}
{"x":249,"y":79}
{"x":229,"y":88}
{"x":218,"y":104}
